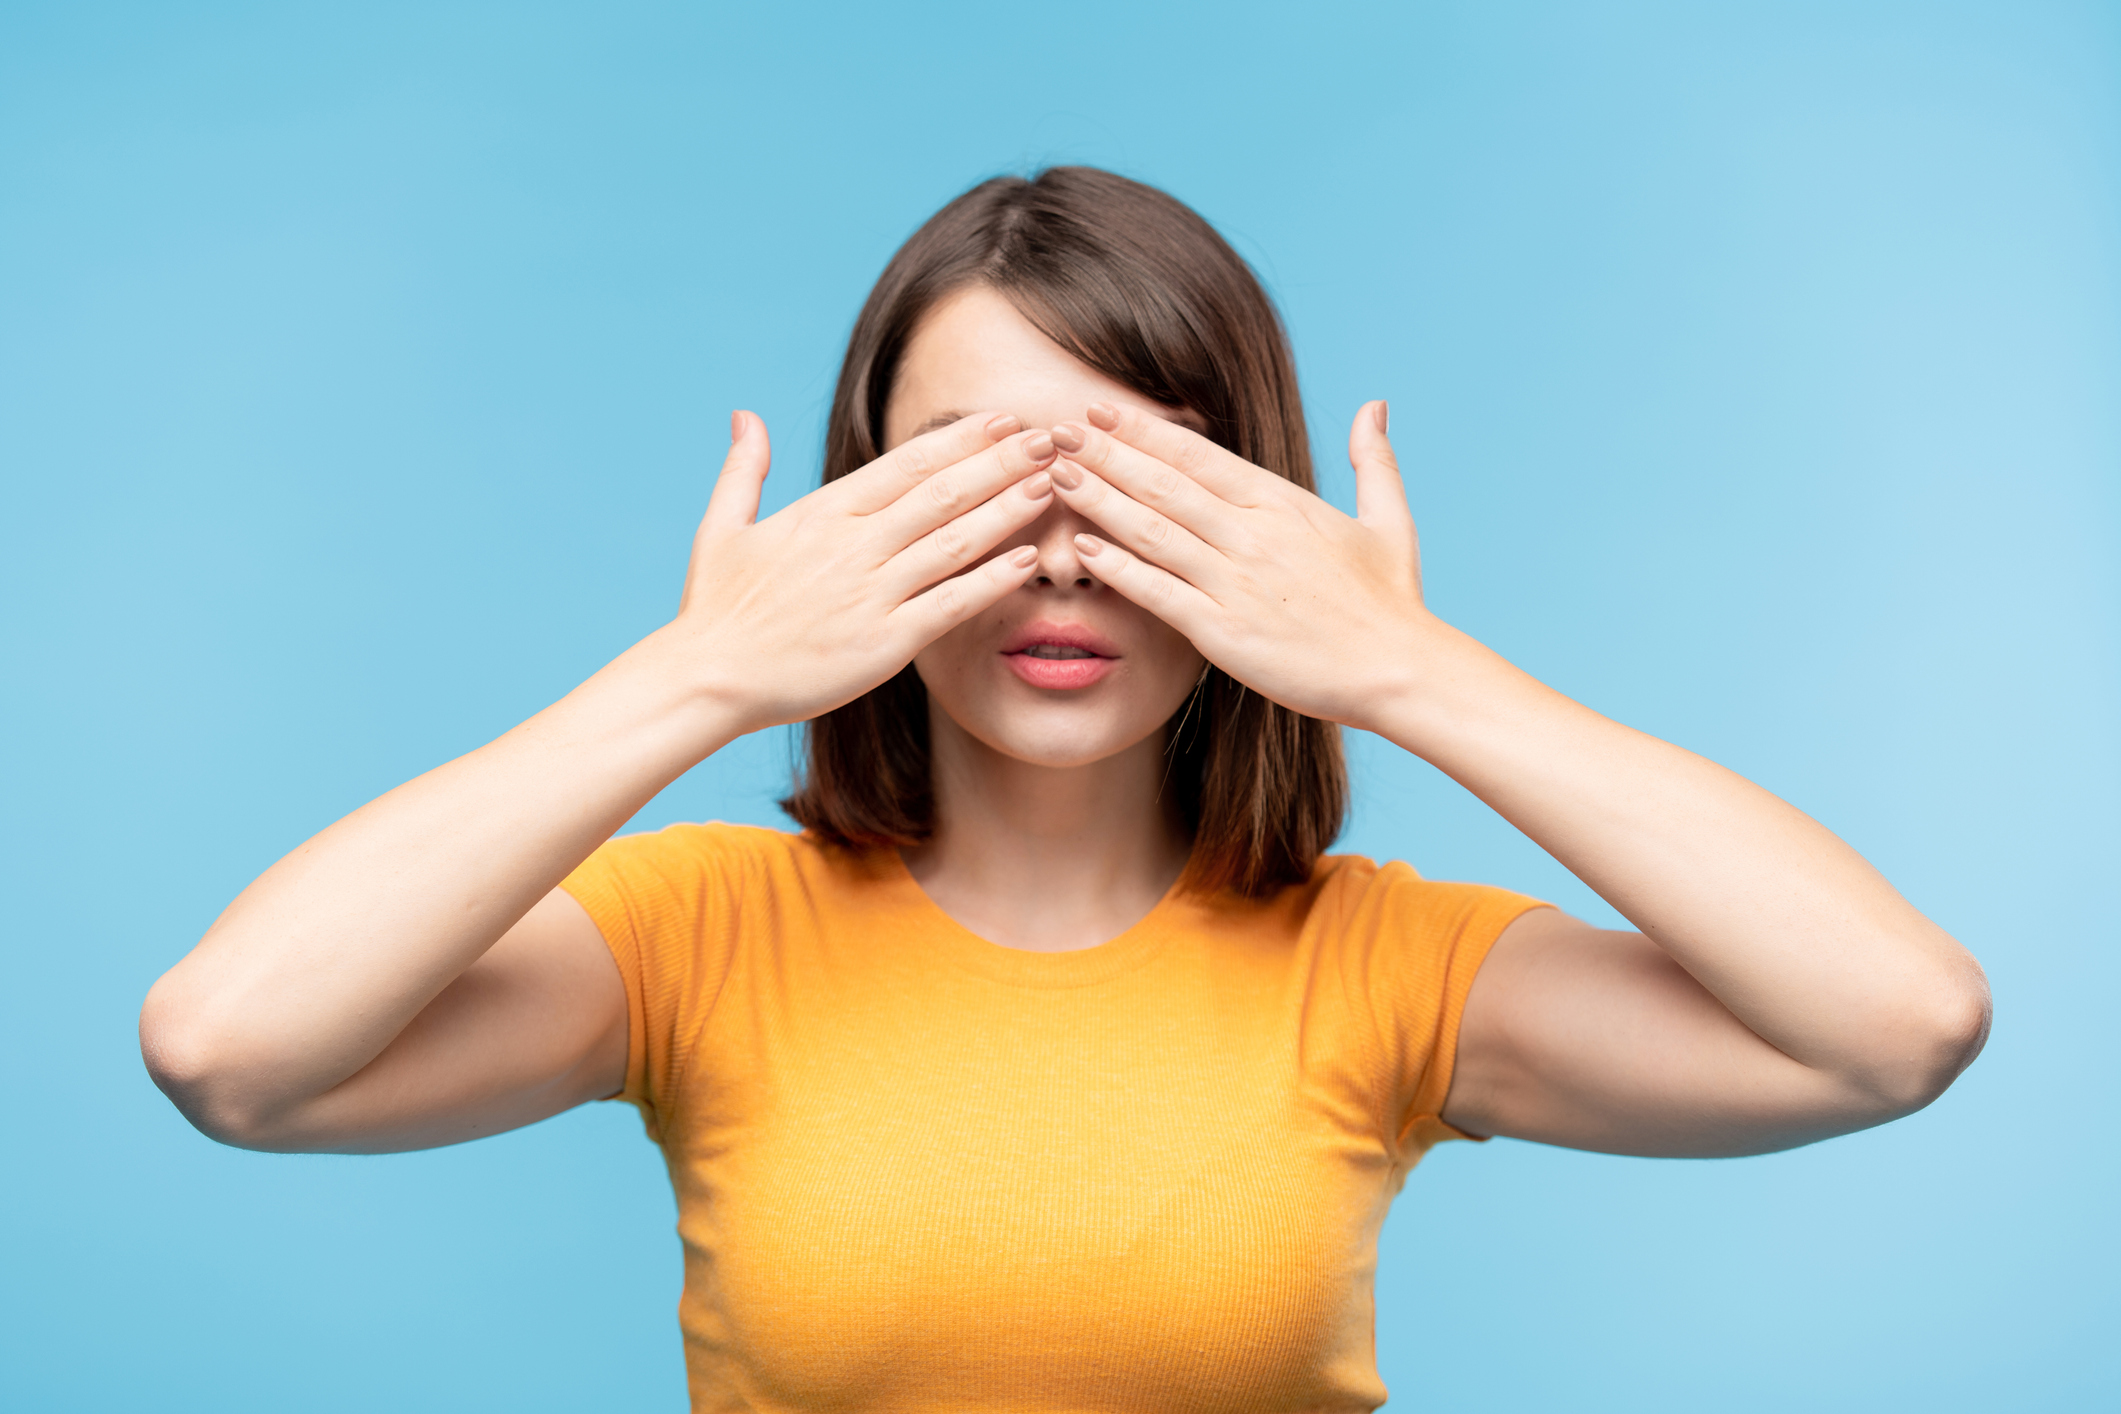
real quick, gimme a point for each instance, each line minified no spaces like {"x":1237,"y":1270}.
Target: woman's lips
{"x":1058,"y":672}
{"x":1049,"y":654}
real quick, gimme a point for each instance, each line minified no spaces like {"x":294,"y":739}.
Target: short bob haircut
{"x":1137,"y":286}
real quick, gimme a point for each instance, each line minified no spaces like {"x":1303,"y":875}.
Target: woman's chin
{"x":1058,"y":738}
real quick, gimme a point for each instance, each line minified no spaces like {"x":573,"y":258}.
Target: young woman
{"x":1053,"y":1065}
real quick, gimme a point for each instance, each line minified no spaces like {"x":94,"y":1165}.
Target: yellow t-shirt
{"x":916,"y":1170}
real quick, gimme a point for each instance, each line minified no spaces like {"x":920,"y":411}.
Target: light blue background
{"x":363,"y":370}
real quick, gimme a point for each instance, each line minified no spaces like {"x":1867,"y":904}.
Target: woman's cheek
{"x":948,"y":668}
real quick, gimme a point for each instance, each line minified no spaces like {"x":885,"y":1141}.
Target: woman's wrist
{"x":1448,"y":690}
{"x":654,"y":697}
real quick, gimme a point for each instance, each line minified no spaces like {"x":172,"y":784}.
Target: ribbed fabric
{"x":919,"y":1171}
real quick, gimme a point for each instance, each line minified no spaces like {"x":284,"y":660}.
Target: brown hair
{"x":1137,"y":286}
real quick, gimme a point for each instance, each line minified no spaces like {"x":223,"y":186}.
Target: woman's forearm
{"x":326,"y":957}
{"x":322,"y":962}
{"x":1787,"y":926}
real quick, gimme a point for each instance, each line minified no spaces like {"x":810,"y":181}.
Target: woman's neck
{"x":1049,"y":859}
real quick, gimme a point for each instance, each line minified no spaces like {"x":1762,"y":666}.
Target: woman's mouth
{"x":1061,"y":656}
{"x":1058,"y":665}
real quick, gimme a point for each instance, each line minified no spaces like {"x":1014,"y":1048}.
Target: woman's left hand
{"x":1780,"y":990}
{"x":1312,"y":608}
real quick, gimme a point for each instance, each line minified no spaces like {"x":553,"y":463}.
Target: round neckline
{"x":1026,"y":967}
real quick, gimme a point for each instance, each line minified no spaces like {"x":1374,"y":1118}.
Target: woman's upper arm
{"x":537,"y":1025}
{"x":1597,"y":1039}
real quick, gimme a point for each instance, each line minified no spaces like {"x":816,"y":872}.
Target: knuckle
{"x":950,"y":542}
{"x":1163,"y":484}
{"x":949,"y":598}
{"x":1155,"y":531}
{"x":910,"y":462}
{"x":945,"y":493}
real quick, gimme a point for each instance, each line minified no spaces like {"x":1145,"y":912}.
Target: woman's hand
{"x":789,"y":617}
{"x":1314,"y":609}
{"x":465,"y":993}
{"x":1779,"y":991}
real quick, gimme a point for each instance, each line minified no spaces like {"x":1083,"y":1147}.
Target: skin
{"x":411,"y":976}
{"x":1049,"y":835}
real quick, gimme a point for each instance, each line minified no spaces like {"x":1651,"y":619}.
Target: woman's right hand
{"x":787,"y":618}
{"x":411,"y":976}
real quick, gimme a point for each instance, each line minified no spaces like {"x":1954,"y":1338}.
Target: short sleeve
{"x":1417,"y":945}
{"x":669,"y":905}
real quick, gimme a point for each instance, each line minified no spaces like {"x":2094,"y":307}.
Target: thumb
{"x":735,"y":503}
{"x":1380,"y":495}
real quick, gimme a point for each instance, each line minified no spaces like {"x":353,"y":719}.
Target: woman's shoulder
{"x":727,"y":848}
{"x":1360,"y":894}
{"x":690,"y":886}
{"x":1353,"y":900}
{"x":707,"y":837}
{"x":1360,"y":871}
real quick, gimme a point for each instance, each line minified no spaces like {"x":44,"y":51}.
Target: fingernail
{"x":1039,"y":447}
{"x":1104,"y":415}
{"x":1088,"y":544}
{"x":1068,"y":438}
{"x":1039,"y":487}
{"x":1023,"y":555}
{"x":736,"y":427}
{"x":1384,"y":416}
{"x":1003,"y":424}
{"x":1068,"y":474}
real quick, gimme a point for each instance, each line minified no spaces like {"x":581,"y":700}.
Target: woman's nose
{"x":1058,"y":564}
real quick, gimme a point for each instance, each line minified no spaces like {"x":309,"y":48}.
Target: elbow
{"x":199,"y":1072}
{"x":1935,"y":1038}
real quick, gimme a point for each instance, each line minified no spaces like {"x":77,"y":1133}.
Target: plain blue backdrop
{"x":363,"y":370}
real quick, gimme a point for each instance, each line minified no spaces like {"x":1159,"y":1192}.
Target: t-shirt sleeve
{"x":1418,"y":945}
{"x":669,"y":906}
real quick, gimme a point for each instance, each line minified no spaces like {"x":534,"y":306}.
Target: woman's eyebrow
{"x":941,"y":419}
{"x":1184,"y":417}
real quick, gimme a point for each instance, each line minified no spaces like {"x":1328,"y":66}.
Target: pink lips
{"x":1059,"y":672}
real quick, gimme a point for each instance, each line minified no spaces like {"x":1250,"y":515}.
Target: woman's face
{"x":1063,"y":671}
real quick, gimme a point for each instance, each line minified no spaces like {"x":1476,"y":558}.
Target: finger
{"x":1159,"y":591}
{"x":949,"y":493}
{"x":1152,"y":483}
{"x":1380,"y":493}
{"x":927,"y":617}
{"x":1155,"y":537}
{"x":1222,"y":471}
{"x":951,"y":546}
{"x":735,"y":502}
{"x":914,"y":460}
